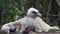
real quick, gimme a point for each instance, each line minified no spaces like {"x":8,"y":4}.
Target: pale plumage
{"x":44,"y":26}
{"x":31,"y":21}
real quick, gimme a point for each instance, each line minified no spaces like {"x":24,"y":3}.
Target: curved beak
{"x":39,"y":14}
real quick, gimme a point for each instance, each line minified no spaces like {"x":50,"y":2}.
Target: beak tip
{"x":39,"y":15}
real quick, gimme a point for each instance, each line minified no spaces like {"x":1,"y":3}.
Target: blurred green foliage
{"x":10,"y":12}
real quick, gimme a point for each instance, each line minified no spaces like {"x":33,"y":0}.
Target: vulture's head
{"x":32,"y":12}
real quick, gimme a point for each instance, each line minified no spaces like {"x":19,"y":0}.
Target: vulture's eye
{"x":34,"y":12}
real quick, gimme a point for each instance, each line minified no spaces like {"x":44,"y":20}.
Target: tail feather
{"x":55,"y":28}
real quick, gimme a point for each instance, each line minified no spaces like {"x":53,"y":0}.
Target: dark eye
{"x":34,"y":12}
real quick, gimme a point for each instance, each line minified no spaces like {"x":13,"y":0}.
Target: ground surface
{"x":50,"y":32}
{"x":41,"y":33}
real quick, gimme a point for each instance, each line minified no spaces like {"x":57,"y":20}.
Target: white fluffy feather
{"x":36,"y":23}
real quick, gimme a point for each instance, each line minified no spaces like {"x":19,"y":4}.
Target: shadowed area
{"x":50,"y":32}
